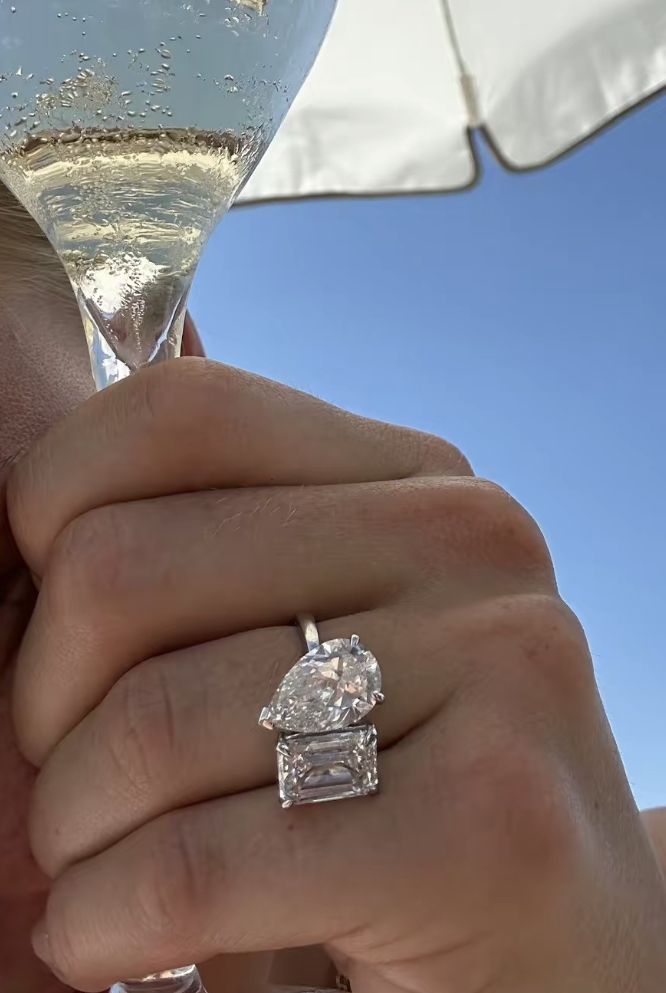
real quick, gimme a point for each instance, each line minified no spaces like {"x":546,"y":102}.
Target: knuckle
{"x":138,"y":730}
{"x":476,"y":524}
{"x":437,"y":456}
{"x":174,"y":882}
{"x":163,"y":387}
{"x":88,"y":563}
{"x":519,"y":810}
{"x":504,"y":531}
{"x":548,"y":647}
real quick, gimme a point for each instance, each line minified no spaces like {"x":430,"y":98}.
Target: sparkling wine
{"x":129,"y":213}
{"x":127,"y":127}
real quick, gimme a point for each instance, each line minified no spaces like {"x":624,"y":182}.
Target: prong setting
{"x":265,"y":719}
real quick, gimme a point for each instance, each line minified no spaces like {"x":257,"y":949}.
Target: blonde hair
{"x":26,"y":255}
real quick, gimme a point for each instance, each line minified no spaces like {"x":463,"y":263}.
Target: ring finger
{"x":131,"y":581}
{"x":182,"y":729}
{"x":136,"y":580}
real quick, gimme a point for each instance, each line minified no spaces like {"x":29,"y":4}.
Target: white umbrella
{"x":400,"y":83}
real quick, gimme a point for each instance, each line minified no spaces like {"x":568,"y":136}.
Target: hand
{"x":176,"y":524}
{"x":39,"y":382}
{"x":655,"y":823}
{"x":22,"y":884}
{"x":29,"y":400}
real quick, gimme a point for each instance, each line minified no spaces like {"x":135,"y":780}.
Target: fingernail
{"x":40,"y":942}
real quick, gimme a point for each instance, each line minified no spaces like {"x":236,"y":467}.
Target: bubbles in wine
{"x":127,"y":129}
{"x":129,"y":213}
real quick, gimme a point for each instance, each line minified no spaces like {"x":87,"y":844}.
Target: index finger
{"x":193,"y":424}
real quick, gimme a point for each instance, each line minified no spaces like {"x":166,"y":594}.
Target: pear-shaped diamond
{"x":333,"y":686}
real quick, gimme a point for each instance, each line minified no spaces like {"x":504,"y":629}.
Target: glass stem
{"x":107,"y":366}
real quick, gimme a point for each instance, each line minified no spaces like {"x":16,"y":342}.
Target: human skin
{"x":655,"y":822}
{"x":505,"y":852}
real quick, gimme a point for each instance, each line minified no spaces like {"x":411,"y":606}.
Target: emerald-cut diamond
{"x":313,"y":768}
{"x":332,"y":687}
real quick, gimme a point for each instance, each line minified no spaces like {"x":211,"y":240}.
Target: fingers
{"x":655,"y":824}
{"x":134,"y":581}
{"x":183,"y":729}
{"x":233,"y":875}
{"x":477,"y":811}
{"x":191,"y":425}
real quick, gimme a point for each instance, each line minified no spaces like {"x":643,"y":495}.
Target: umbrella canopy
{"x":399,"y":84}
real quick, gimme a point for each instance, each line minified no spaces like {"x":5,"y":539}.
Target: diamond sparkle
{"x":330,"y":688}
{"x":314,"y":768}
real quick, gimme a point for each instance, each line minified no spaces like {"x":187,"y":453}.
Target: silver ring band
{"x":310,"y":631}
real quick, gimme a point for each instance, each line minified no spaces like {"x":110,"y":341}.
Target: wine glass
{"x":127,"y":128}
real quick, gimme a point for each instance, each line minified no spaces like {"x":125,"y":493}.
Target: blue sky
{"x":525,"y":322}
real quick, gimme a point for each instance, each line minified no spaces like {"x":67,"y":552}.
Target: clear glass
{"x":185,"y":980}
{"x":127,"y":128}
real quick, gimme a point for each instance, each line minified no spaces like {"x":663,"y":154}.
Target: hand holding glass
{"x":127,"y":128}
